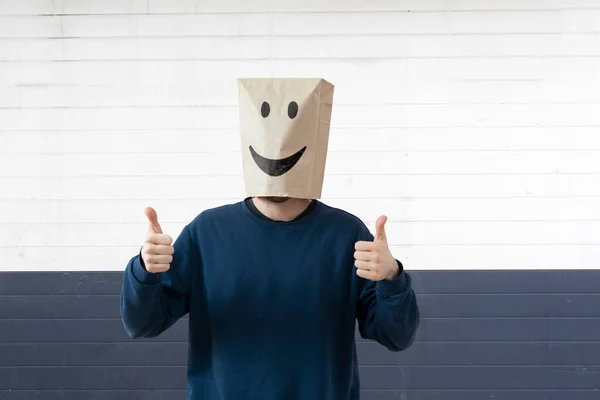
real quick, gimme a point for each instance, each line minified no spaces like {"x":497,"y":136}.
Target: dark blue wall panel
{"x":502,"y":335}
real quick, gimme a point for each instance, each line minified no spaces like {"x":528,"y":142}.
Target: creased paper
{"x":284,"y":126}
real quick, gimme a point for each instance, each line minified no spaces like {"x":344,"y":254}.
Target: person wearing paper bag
{"x":275,"y":283}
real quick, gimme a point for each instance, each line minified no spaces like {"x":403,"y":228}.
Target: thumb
{"x":380,"y":229}
{"x":153,"y":225}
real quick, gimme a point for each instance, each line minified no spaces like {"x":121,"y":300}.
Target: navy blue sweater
{"x":272,"y":305}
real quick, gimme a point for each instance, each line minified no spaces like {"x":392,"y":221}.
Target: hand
{"x":157,"y":252}
{"x":374,"y":260}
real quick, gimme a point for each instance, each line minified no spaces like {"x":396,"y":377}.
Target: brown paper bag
{"x":284,"y":124}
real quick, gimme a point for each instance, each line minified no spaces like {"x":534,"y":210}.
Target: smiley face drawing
{"x":278,"y":167}
{"x":284,"y":126}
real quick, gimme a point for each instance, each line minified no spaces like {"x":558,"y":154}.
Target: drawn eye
{"x":292,"y":110}
{"x":265,"y":109}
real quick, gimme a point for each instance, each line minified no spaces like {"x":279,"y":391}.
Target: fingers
{"x":159,"y":239}
{"x":157,"y":252}
{"x":158,"y":259}
{"x":373,"y":259}
{"x":364,"y":265}
{"x":367,"y":256}
{"x":366,"y":274}
{"x":380,"y":229}
{"x":152,"y":248}
{"x":366,"y":246}
{"x":157,"y":268}
{"x":367,"y":260}
{"x":153,"y":225}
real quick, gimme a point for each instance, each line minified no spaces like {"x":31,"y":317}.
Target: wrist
{"x":140,"y":272}
{"x":395,"y":271}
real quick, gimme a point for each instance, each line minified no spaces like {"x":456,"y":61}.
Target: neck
{"x":278,"y":210}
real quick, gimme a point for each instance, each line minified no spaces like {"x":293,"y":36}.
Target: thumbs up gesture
{"x":157,"y":252}
{"x":374,"y":260}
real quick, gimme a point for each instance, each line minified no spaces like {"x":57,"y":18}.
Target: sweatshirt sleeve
{"x":387,"y":311}
{"x":152,"y":302}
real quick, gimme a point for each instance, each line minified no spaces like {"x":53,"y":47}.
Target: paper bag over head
{"x":284,"y":124}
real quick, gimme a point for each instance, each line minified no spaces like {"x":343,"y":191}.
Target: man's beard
{"x":276,"y":199}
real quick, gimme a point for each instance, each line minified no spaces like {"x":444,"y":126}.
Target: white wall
{"x":474,"y":125}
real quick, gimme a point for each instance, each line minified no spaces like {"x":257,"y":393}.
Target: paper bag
{"x":284,"y":126}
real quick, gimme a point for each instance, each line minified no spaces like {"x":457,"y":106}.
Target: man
{"x":274,"y":284}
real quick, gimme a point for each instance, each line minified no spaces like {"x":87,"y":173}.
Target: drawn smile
{"x":276,"y":167}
